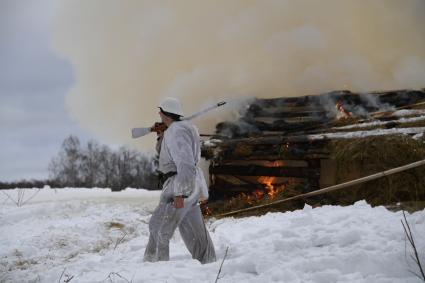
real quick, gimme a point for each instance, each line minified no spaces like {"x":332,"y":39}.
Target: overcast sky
{"x":33,"y":84}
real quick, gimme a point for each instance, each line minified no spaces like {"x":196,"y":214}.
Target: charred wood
{"x":234,"y":189}
{"x":400,"y":98}
{"x":286,"y":114}
{"x":230,"y":180}
{"x":283,"y":125}
{"x":286,"y":156}
{"x":269,"y":140}
{"x":255,"y":170}
{"x":273,"y":137}
{"x":267,"y":148}
{"x":267,"y":163}
{"x":275,"y":150}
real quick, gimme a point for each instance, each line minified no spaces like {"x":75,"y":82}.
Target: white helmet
{"x":171,"y":105}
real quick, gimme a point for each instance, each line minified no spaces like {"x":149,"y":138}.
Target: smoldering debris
{"x":314,"y":112}
{"x":293,"y":145}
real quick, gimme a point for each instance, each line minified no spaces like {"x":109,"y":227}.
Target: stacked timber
{"x":275,"y":143}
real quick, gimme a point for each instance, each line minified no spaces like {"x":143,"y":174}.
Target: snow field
{"x":96,"y":235}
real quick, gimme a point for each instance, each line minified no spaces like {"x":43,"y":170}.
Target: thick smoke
{"x":129,"y":54}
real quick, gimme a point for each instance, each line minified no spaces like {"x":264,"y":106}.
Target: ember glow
{"x":205,"y":209}
{"x":277,"y":163}
{"x":252,"y":198}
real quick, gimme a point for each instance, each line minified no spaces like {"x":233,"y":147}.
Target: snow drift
{"x":98,"y":236}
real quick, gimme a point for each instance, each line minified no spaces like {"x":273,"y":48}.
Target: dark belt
{"x":163,"y":177}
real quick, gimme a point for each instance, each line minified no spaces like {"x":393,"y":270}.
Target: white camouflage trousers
{"x":164,"y":221}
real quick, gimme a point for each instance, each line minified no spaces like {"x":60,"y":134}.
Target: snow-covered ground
{"x":94,"y":235}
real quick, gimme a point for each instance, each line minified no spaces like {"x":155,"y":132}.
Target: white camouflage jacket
{"x":180,"y":152}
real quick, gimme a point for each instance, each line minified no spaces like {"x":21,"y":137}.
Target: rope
{"x":334,"y":187}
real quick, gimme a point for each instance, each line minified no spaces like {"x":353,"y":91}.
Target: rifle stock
{"x":140,"y":132}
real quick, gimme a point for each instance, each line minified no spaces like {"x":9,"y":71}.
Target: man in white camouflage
{"x":183,"y":186}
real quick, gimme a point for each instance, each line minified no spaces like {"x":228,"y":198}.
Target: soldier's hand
{"x":159,"y":128}
{"x":178,"y":202}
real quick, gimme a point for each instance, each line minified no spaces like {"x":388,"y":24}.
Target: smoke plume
{"x":127,"y":55}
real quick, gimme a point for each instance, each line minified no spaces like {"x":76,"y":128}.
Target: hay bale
{"x":357,"y":158}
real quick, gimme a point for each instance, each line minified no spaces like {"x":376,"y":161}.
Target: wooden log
{"x":267,"y":163}
{"x":248,"y":189}
{"x":418,"y":105}
{"x":229,"y":179}
{"x":312,"y":101}
{"x":217,"y":193}
{"x":270,"y":157}
{"x":292,"y":121}
{"x":286,"y":156}
{"x":265,"y":140}
{"x":290,"y":155}
{"x":255,"y":170}
{"x":389,"y":113}
{"x":275,"y":149}
{"x":282,"y":101}
{"x":399,"y":98}
{"x":220,"y":190}
{"x":282,"y":125}
{"x":267,"y":151}
{"x":286,"y":114}
{"x":226,"y":188}
{"x":272,"y":179}
{"x":284,"y":109}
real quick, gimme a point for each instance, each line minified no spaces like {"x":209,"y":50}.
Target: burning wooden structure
{"x":283,"y":141}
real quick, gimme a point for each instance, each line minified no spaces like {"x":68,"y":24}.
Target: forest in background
{"x":95,"y":165}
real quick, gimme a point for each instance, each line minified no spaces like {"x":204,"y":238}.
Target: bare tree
{"x":98,"y":166}
{"x":106,"y":168}
{"x":91,"y":158}
{"x":65,"y":167}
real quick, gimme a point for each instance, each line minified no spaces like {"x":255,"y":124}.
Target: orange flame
{"x":271,"y":190}
{"x":342,"y":112}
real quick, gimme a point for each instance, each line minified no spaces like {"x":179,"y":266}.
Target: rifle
{"x":161,"y":127}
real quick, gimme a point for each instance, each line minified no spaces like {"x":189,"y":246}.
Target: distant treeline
{"x":27,"y":184}
{"x":95,"y":165}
